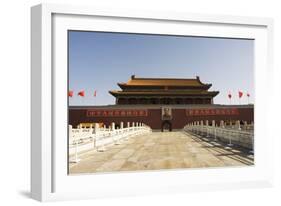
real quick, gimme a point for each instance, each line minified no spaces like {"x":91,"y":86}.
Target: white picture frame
{"x":49,"y":179}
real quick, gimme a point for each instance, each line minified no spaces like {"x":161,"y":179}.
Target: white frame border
{"x":42,"y":84}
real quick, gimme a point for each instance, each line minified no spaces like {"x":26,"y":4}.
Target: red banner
{"x":210,"y":112}
{"x":117,"y":113}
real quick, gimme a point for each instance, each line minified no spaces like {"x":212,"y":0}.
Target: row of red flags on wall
{"x":80,"y":93}
{"x":240,"y":94}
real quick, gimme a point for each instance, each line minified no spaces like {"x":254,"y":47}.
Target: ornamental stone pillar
{"x":245,"y":124}
{"x":238,"y":125}
{"x":96,"y":127}
{"x":121,"y":125}
{"x":222,"y":124}
{"x":112,"y":126}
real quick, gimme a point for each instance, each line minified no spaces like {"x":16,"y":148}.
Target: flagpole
{"x":240,"y":94}
{"x":94,"y":94}
{"x":239,"y":97}
{"x":82,"y":100}
{"x":229,"y":96}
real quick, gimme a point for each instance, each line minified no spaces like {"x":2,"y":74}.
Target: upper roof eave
{"x":162,"y":93}
{"x":162,"y":82}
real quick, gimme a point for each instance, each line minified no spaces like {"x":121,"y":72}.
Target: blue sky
{"x":98,"y":61}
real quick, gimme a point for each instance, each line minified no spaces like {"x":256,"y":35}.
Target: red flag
{"x":229,"y":95}
{"x":240,"y":94}
{"x":95,"y":93}
{"x":81,"y":93}
{"x":70,"y":93}
{"x":248,"y":95}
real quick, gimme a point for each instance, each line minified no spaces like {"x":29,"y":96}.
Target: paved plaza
{"x":161,"y":150}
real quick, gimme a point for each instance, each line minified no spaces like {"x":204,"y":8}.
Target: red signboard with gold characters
{"x":117,"y":113}
{"x":210,"y":112}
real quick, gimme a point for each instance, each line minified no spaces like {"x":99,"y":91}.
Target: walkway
{"x":161,"y":150}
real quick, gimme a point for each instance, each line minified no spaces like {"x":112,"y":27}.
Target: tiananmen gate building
{"x":161,"y":103}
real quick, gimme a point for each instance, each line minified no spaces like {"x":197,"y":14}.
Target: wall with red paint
{"x":153,"y":118}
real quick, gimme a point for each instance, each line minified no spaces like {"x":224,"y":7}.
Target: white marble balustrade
{"x":82,"y":139}
{"x":233,"y":135}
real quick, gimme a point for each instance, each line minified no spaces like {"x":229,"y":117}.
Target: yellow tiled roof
{"x":163,"y":82}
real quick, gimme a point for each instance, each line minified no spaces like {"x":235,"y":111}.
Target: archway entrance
{"x":166,"y":126}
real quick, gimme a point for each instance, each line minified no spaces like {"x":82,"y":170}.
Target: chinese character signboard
{"x":117,"y":113}
{"x":211,"y":112}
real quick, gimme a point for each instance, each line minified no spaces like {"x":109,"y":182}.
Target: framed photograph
{"x":137,"y":102}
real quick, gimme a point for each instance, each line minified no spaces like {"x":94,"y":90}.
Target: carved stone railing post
{"x":222,"y":124}
{"x":207,"y":128}
{"x":96,"y":128}
{"x":238,"y":125}
{"x":214,"y":129}
{"x":201,"y":127}
{"x":245,"y":125}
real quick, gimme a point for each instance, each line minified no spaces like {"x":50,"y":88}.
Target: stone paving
{"x":161,"y":150}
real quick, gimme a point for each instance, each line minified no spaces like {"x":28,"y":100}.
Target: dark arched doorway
{"x":166,"y":126}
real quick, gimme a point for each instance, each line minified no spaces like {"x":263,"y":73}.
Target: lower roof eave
{"x":158,"y":106}
{"x":120,"y":95}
